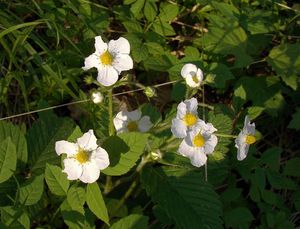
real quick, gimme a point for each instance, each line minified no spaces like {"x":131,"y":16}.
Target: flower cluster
{"x":198,"y":138}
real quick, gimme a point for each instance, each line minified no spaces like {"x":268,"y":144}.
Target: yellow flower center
{"x":106,"y":58}
{"x":190,"y":119}
{"x":82,"y":156}
{"x":198,"y":140}
{"x":195,"y":79}
{"x":132,"y":126}
{"x":250,"y":139}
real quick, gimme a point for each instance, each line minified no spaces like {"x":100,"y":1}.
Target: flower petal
{"x":100,"y":157}
{"x":66,"y":147}
{"x":88,"y":141}
{"x":242,"y":152}
{"x":92,"y":61}
{"x":189,"y":81}
{"x":188,"y":70}
{"x":199,"y":159}
{"x":249,"y":128}
{"x":144,"y":124}
{"x":100,"y":45}
{"x":134,"y":115}
{"x":178,"y":128}
{"x":192,"y":105}
{"x":210,"y":144}
{"x":107,"y":75}
{"x":120,"y":122}
{"x":119,"y":46}
{"x":199,"y":74}
{"x":122,"y":62}
{"x":186,"y":150}
{"x":181,"y":110}
{"x":72,"y":168}
{"x":90,"y":172}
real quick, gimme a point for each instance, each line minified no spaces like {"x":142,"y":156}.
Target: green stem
{"x":226,"y":135}
{"x":111,"y":129}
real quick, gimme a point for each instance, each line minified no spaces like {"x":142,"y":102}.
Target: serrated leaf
{"x":222,"y":74}
{"x":292,"y":167}
{"x":76,"y":198}
{"x":295,"y":122}
{"x":150,"y":10}
{"x":56,"y":180}
{"x":96,"y":203}
{"x":131,"y":222}
{"x":163,"y":28}
{"x":8,"y":159}
{"x":14,"y":218}
{"x":41,"y":141}
{"x":137,"y":7}
{"x":17,"y":137}
{"x":184,"y":195}
{"x":238,"y":216}
{"x":139,"y":51}
{"x":285,"y":60}
{"x":31,"y":191}
{"x":124,"y":150}
{"x":168,"y":11}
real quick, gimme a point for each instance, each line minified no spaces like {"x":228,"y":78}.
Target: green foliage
{"x":249,"y":52}
{"x":193,"y":196}
{"x":96,"y":203}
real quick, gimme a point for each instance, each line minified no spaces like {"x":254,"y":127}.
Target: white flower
{"x":126,"y":121}
{"x":186,"y":118}
{"x":199,"y":142}
{"x":109,"y":59}
{"x":97,"y":97}
{"x":245,"y":139}
{"x":192,"y":75}
{"x":84,"y":159}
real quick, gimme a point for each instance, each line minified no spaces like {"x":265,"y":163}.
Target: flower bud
{"x":97,"y":97}
{"x":150,"y":92}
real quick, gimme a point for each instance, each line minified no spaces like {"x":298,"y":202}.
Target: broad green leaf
{"x":137,"y":7}
{"x":131,"y":222}
{"x":41,"y":140}
{"x":163,"y":28}
{"x":31,"y":191}
{"x":222,"y":74}
{"x":124,"y":150}
{"x":96,"y":203}
{"x":150,"y":10}
{"x":56,"y":180}
{"x":17,"y":137}
{"x":8,"y":159}
{"x":279,"y":181}
{"x":237,"y":217}
{"x":139,"y":51}
{"x":271,"y":157}
{"x":285,"y":60}
{"x":295,"y":122}
{"x":183,"y":194}
{"x":76,"y":198}
{"x":75,"y":219}
{"x":292,"y":167}
{"x":14,"y":218}
{"x":113,"y":208}
{"x":168,"y":11}
{"x":77,"y":133}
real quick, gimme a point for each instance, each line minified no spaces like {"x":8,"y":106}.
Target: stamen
{"x":198,"y":140}
{"x":132,"y":126}
{"x":82,"y":156}
{"x":190,"y":119}
{"x":106,"y":58}
{"x":250,"y":139}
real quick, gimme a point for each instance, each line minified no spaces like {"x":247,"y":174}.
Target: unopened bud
{"x":97,"y":97}
{"x":150,"y":92}
{"x":156,"y":155}
{"x":210,"y":78}
{"x":88,"y":80}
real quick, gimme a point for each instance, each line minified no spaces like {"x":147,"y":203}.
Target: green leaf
{"x":31,"y":191}
{"x":96,"y":203}
{"x":124,"y":150}
{"x":41,"y":141}
{"x":237,"y":217}
{"x":8,"y":159}
{"x":222,"y":74}
{"x":168,"y":11}
{"x":279,"y":181}
{"x":285,"y":60}
{"x":163,"y":28}
{"x":186,"y":198}
{"x":14,"y":218}
{"x":76,"y":198}
{"x":292,"y":167}
{"x":56,"y":180}
{"x":139,"y":51}
{"x":17,"y":137}
{"x":137,"y":7}
{"x":150,"y":10}
{"x":295,"y":122}
{"x":130,"y":222}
